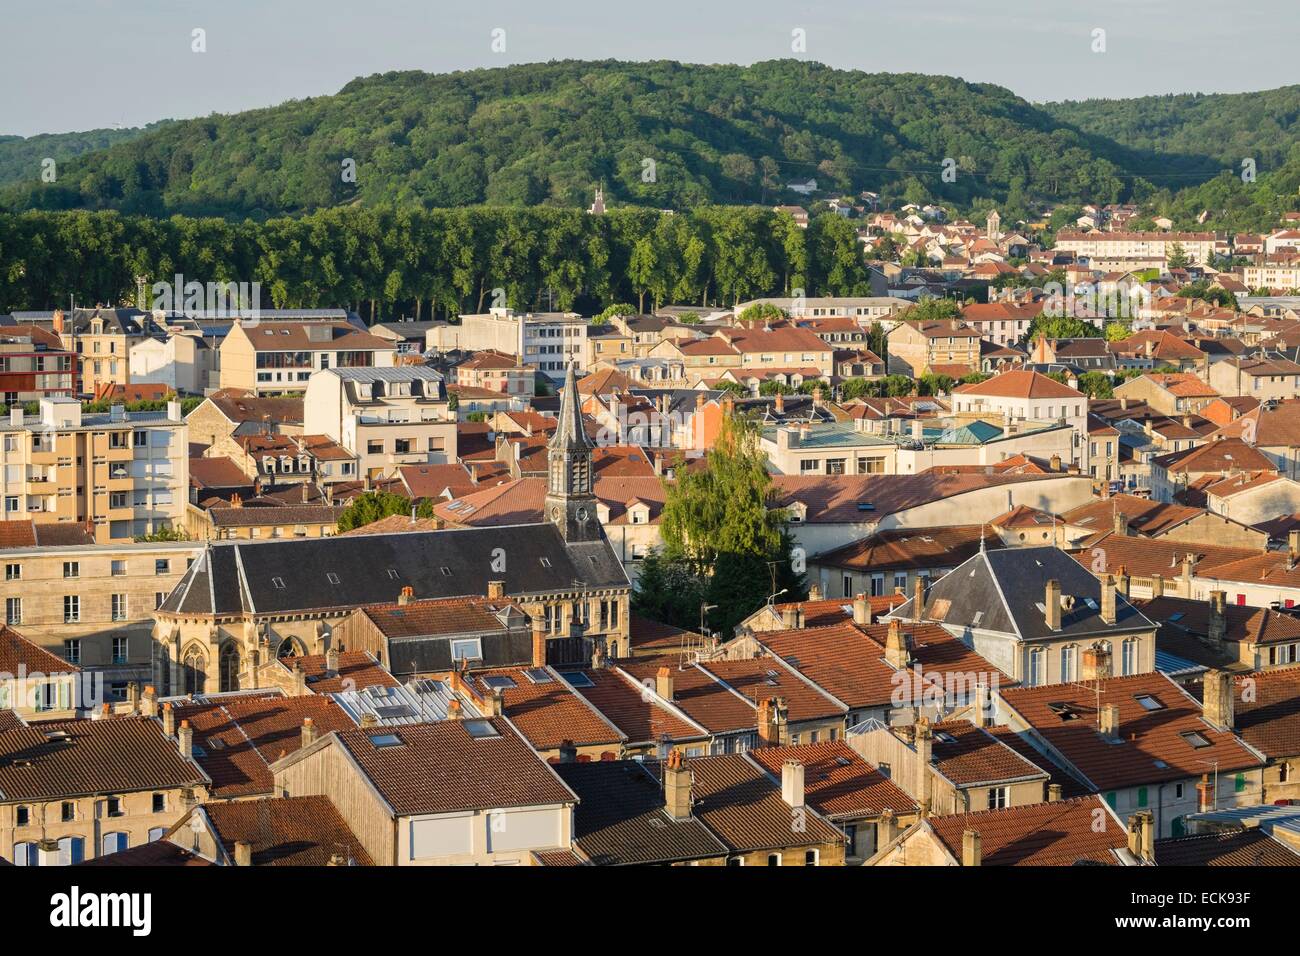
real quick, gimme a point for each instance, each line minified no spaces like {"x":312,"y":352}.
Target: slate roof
{"x":620,"y":818}
{"x":1003,"y":591}
{"x":237,"y":577}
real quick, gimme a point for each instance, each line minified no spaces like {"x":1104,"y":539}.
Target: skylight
{"x":539,"y":675}
{"x":1149,"y":702}
{"x":480,"y":729}
{"x":579,"y":679}
{"x":504,"y":681}
{"x":1195,"y":739}
{"x":380,"y":741}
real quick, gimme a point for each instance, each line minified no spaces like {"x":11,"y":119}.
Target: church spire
{"x":570,"y":499}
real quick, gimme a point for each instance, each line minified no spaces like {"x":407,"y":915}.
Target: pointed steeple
{"x":570,"y":433}
{"x":570,"y":500}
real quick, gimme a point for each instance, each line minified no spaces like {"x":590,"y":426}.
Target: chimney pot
{"x":308,"y":732}
{"x":861,"y":610}
{"x":1053,"y":792}
{"x":677,"y":786}
{"x":185,"y":740}
{"x":815,"y":592}
{"x":405,"y":595}
{"x":664,"y":683}
{"x":792,"y":784}
{"x":169,"y":719}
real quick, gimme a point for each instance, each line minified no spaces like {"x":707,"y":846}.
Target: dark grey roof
{"x":620,"y":817}
{"x":1006,"y":589}
{"x":428,"y":655}
{"x":293,"y":575}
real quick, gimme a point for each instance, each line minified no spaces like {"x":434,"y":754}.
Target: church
{"x":243,"y":603}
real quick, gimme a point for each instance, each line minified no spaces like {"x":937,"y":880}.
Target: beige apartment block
{"x":121,"y":474}
{"x":275,"y":358}
{"x":92,"y":605}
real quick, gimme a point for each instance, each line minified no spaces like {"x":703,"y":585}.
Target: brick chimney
{"x":664,"y":683}
{"x":792,"y":775}
{"x":496,"y":590}
{"x":1142,"y":836}
{"x":308,"y":732}
{"x":771,"y":719}
{"x":1220,"y":704}
{"x":897,"y":653}
{"x":1217,"y":627}
{"x":677,"y":786}
{"x":243,"y":853}
{"x":185,"y":739}
{"x":1052,"y":605}
{"x":1108,"y":599}
{"x":169,"y":719}
{"x":1108,"y":721}
{"x":404,"y":596}
{"x":861,"y":610}
{"x":971,"y":848}
{"x":1205,"y":796}
{"x":539,"y":641}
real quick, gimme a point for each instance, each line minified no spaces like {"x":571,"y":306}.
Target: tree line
{"x":389,"y":262}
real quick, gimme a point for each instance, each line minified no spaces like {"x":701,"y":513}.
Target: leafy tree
{"x":1116,"y":331}
{"x":761,"y":313}
{"x":370,"y":506}
{"x":1097,"y":385}
{"x":1059,"y":327}
{"x":619,"y":308}
{"x":164,"y":533}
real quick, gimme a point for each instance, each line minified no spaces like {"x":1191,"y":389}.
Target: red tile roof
{"x":738,"y":802}
{"x":837,"y":782}
{"x":968,"y":756}
{"x":357,"y":670}
{"x":1020,"y":384}
{"x":287,"y":831}
{"x":1041,"y":834}
{"x":547,"y":714}
{"x":640,"y":716}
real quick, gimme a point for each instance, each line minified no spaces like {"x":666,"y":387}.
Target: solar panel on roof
{"x":397,"y":710}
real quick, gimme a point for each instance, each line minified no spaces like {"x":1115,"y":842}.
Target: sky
{"x":84,"y":64}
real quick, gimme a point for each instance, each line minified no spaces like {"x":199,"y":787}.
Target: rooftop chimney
{"x":497,"y":702}
{"x":368,"y":719}
{"x":789,"y":618}
{"x":677,"y":786}
{"x":568,"y":752}
{"x":1292,"y":548}
{"x":299,"y":679}
{"x":861,"y":610}
{"x":332,"y":659}
{"x":1108,"y":599}
{"x":404,"y":596}
{"x":815,"y":592}
{"x":1120,"y":522}
{"x":780,"y":403}
{"x":886,"y":828}
{"x":149,"y":701}
{"x":971,"y":850}
{"x":1122,"y":581}
{"x":1219,"y":703}
{"x":308,"y":732}
{"x":1053,"y":792}
{"x":1054,"y":463}
{"x":1109,"y":721}
{"x":1157,"y":585}
{"x":979,"y":713}
{"x":186,"y":740}
{"x":455,"y":709}
{"x":243,"y":853}
{"x":496,"y":590}
{"x":923,"y":738}
{"x":897,"y":653}
{"x":664,"y":683}
{"x":1217,"y":627}
{"x":1206,"y":799}
{"x":1142,"y":836}
{"x":918,"y":599}
{"x":169,"y":719}
{"x":539,"y":641}
{"x":792,"y":784}
{"x":771,"y":722}
{"x":1052,"y":605}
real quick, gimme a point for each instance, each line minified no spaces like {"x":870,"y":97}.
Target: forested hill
{"x":546,"y":133}
{"x":21,"y":157}
{"x":1195,"y":132}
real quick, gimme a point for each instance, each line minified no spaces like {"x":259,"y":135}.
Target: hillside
{"x":1194,"y":134}
{"x":546,"y":133}
{"x":21,"y":157}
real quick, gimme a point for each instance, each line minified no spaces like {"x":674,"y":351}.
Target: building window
{"x":71,"y":569}
{"x":810,"y":858}
{"x":115,"y":843}
{"x":68,"y":812}
{"x":121,"y":645}
{"x":119,"y":608}
{"x":774,"y":859}
{"x":159,"y":802}
{"x":21,"y":817}
{"x":113,"y":807}
{"x":72,"y":647}
{"x":1069,"y":664}
{"x":999,"y":798}
{"x":1129,"y":656}
{"x":13,"y":610}
{"x":13,"y":572}
{"x":162,"y":566}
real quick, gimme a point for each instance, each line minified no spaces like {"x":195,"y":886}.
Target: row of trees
{"x":426,"y":263}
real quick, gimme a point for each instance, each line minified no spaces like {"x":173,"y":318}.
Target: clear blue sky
{"x":81,"y":64}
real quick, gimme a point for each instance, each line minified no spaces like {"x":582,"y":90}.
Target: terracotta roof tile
{"x":743,"y":807}
{"x":18,"y":655}
{"x":837,"y":782}
{"x":547,"y":713}
{"x":287,"y":831}
{"x":1247,"y":848}
{"x":1041,"y":834}
{"x":640,"y":716}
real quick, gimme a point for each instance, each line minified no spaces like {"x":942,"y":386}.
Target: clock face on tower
{"x":582,"y":514}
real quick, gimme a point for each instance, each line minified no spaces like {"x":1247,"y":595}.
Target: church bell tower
{"x":570,"y":501}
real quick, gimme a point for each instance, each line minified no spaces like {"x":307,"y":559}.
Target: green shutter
{"x":1110,"y":798}
{"x":1241,"y":782}
{"x":1142,"y":796}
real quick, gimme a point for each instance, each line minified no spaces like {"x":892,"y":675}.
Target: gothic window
{"x":194,"y":676}
{"x":229,"y":668}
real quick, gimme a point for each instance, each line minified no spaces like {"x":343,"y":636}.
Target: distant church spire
{"x":570,"y":499}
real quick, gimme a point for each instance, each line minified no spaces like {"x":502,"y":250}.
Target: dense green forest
{"x":546,"y":133}
{"x":21,"y":157}
{"x":1194,"y":135}
{"x":390,"y":261}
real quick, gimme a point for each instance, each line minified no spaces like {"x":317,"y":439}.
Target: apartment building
{"x":496,"y":371}
{"x":91,"y":605}
{"x":103,"y":339}
{"x":919,"y":347}
{"x":1199,"y":247}
{"x":865,"y":309}
{"x":387,"y":417}
{"x":122,"y":473}
{"x":270,"y":358}
{"x":182,"y":362}
{"x":545,"y":341}
{"x":34,"y":365}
